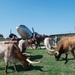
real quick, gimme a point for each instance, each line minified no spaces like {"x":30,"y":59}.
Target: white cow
{"x":11,"y":53}
{"x":48,"y":45}
{"x":22,"y":44}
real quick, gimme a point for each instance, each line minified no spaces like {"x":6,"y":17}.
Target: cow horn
{"x":32,"y":62}
{"x":27,"y":54}
{"x":51,"y":50}
{"x":56,"y":53}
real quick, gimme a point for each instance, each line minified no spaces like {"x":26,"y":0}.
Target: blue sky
{"x":45,"y":16}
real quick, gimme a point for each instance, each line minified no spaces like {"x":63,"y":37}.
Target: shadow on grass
{"x":33,"y":57}
{"x":39,"y":68}
{"x":18,"y":67}
{"x":35,"y":68}
{"x":31,"y":67}
{"x":2,"y":68}
{"x":63,"y":59}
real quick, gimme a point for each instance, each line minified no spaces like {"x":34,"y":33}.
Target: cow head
{"x":24,"y":60}
{"x":57,"y":55}
{"x":25,"y":64}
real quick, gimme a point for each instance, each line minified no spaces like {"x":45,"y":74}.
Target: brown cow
{"x":35,"y":41}
{"x":65,"y":45}
{"x":11,"y":53}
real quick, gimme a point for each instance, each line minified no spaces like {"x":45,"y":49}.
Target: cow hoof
{"x":74,"y":58}
{"x":6,"y":73}
{"x":16,"y":71}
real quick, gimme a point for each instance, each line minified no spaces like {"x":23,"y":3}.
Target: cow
{"x":22,"y":44}
{"x":65,"y":45}
{"x":11,"y":53}
{"x":48,"y":45}
{"x":36,"y":42}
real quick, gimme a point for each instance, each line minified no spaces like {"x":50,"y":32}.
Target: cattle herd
{"x":65,"y":45}
{"x":13,"y":51}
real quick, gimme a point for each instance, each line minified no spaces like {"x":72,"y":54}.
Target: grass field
{"x":47,"y":66}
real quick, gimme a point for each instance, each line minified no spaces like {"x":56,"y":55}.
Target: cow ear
{"x":56,"y":53}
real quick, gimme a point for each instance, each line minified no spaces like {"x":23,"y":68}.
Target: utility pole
{"x":10,"y":31}
{"x":74,"y":27}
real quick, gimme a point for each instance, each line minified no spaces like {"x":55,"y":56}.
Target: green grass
{"x":47,"y":66}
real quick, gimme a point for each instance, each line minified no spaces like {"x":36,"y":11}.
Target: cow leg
{"x":15,"y":67}
{"x":6,"y":67}
{"x":72,"y":51}
{"x":66,"y":58}
{"x":6,"y":62}
{"x":47,"y":49}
